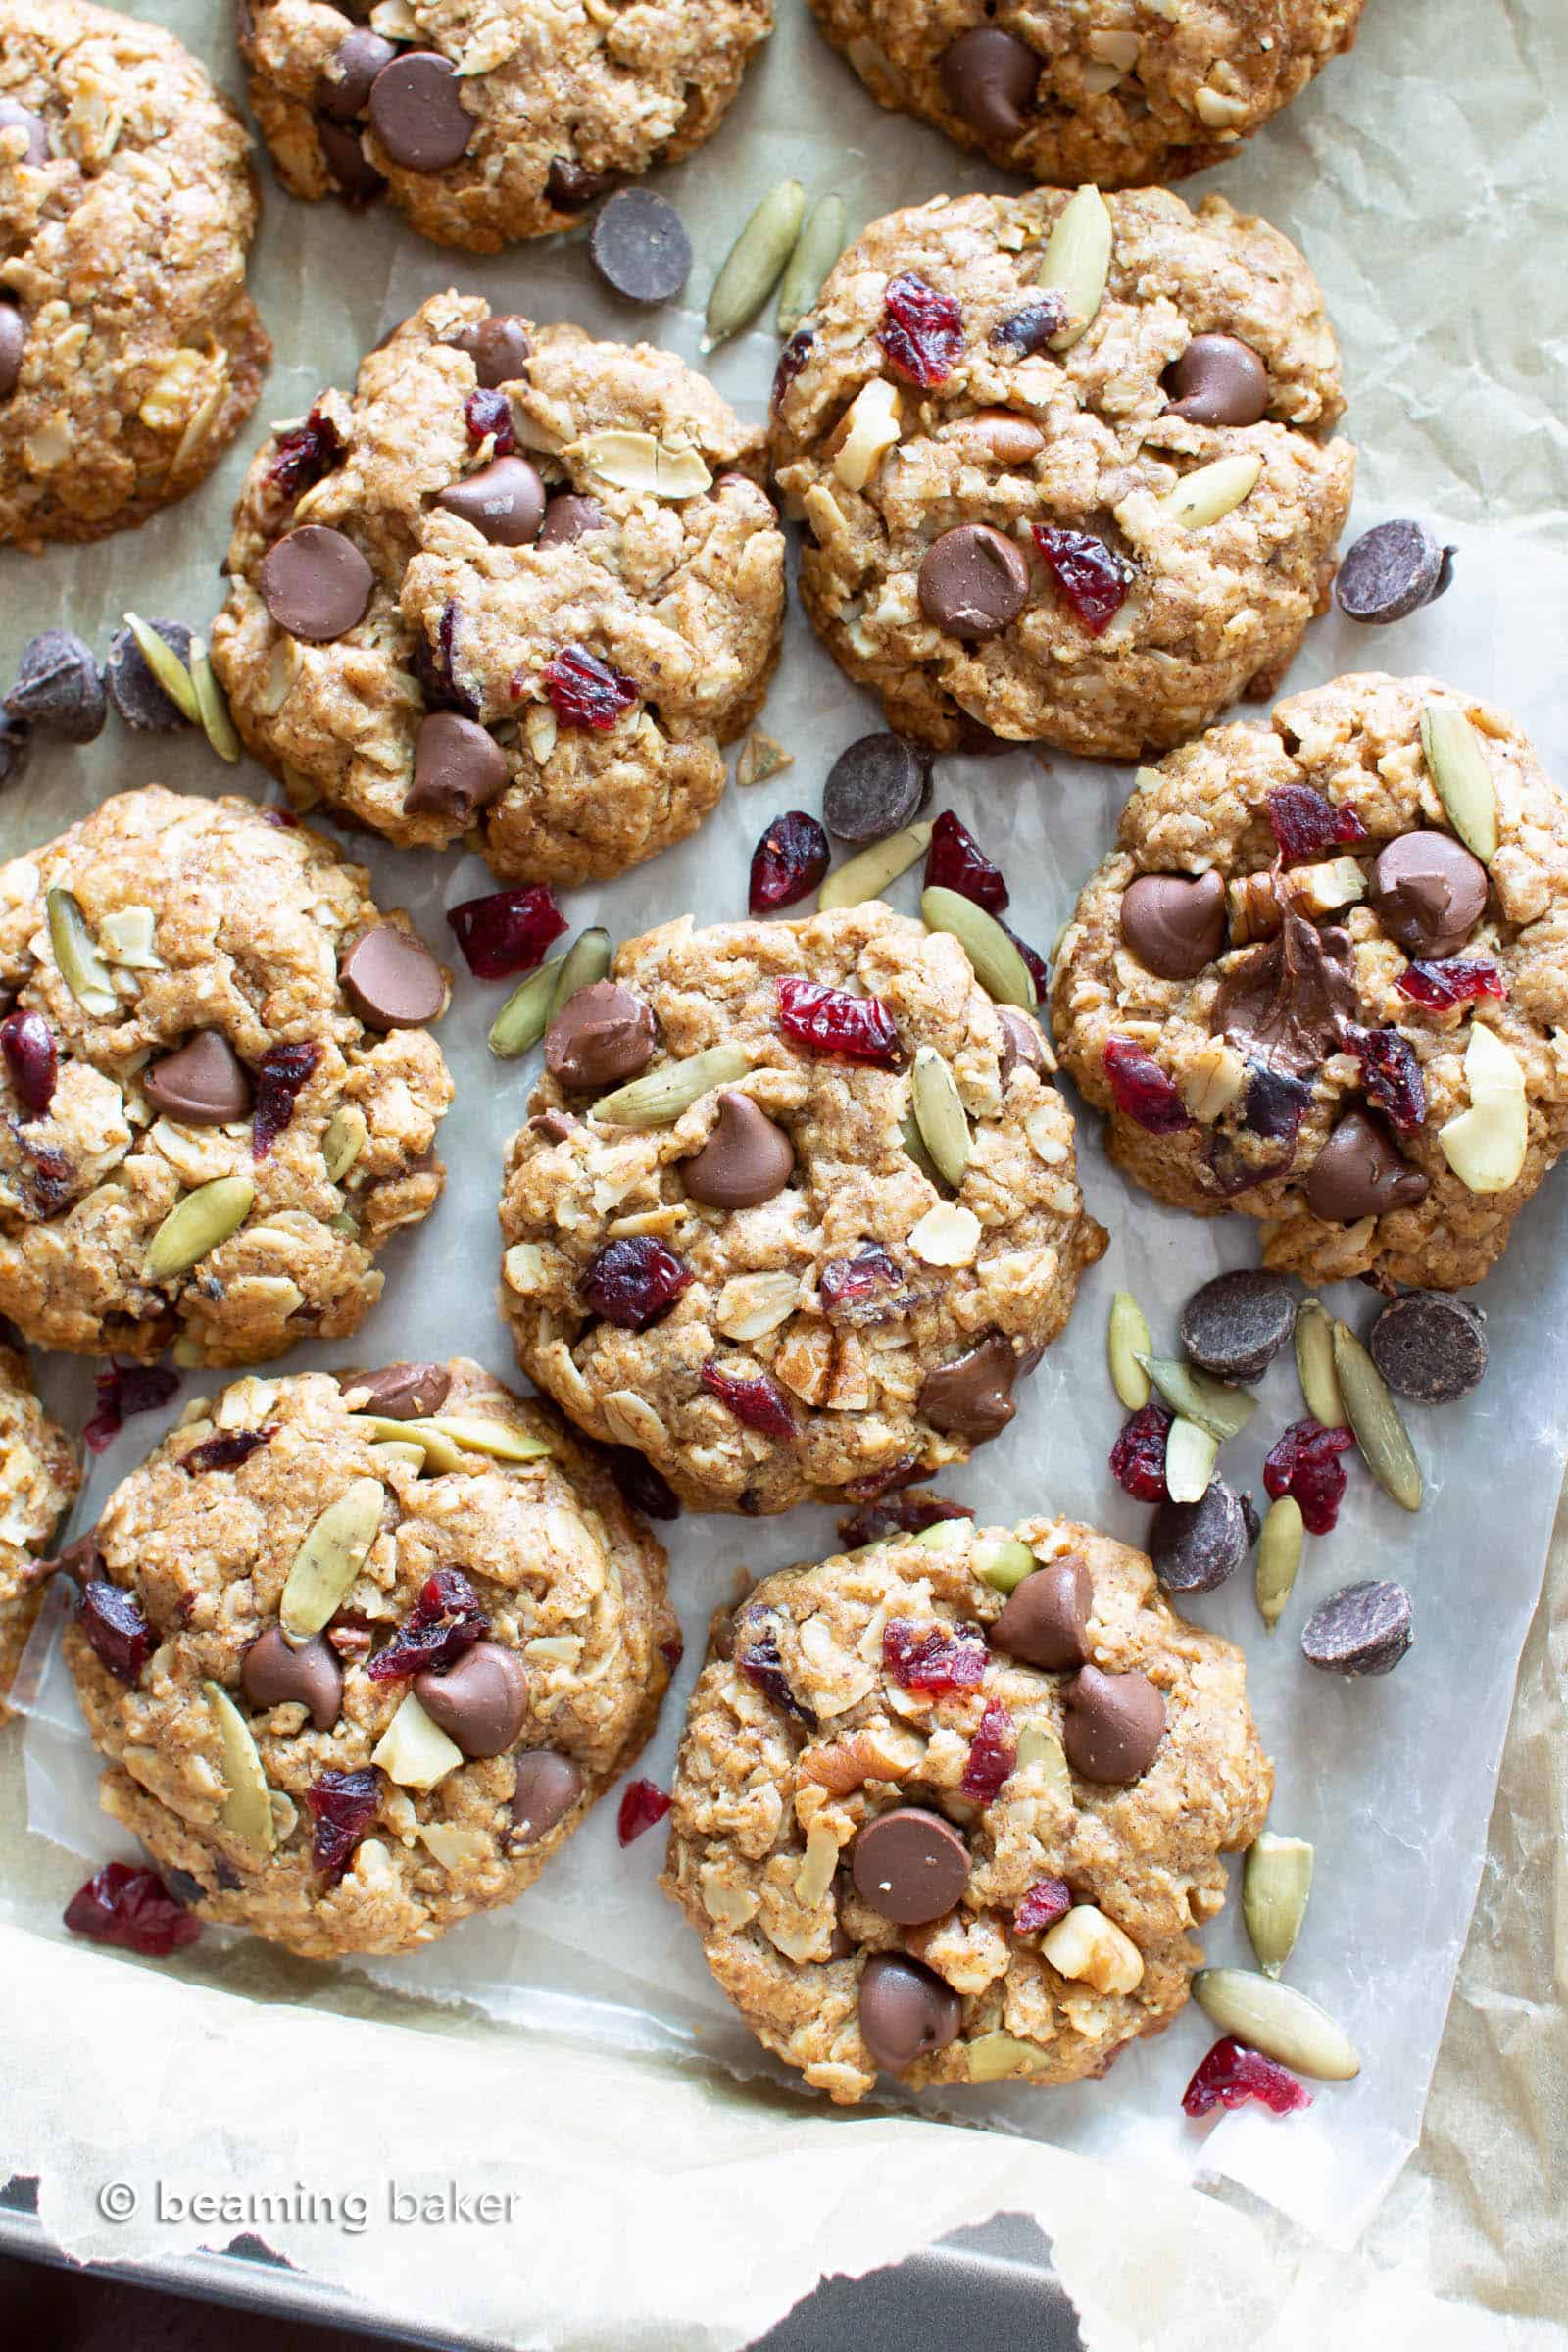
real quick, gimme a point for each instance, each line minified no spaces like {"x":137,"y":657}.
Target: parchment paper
{"x":1422,"y":180}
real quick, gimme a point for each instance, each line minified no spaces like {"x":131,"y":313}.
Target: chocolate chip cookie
{"x":950,"y":1808}
{"x":363,"y":1652}
{"x":218,"y":1089}
{"x":726,"y":1242}
{"x":520,"y":590}
{"x":1066,"y":466}
{"x":39,"y":1476}
{"x":130,"y":353}
{"x":484,"y":120}
{"x":1116,"y":91}
{"x":1321,"y":981}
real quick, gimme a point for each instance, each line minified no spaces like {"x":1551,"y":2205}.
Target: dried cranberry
{"x":848,"y":1286}
{"x":305,"y":455}
{"x":1141,"y":1089}
{"x":1030,"y":329}
{"x":640,"y":1485}
{"x":1038,"y":969}
{"x":790,"y":859}
{"x":993,"y":1753}
{"x":956,"y":861}
{"x":444,"y":1621}
{"x":28,"y":1044}
{"x":904,"y":1517}
{"x":672,"y":1649}
{"x":1091,"y":577}
{"x":1230,"y":2075}
{"x":874,"y":1484}
{"x":759,"y":1660}
{"x":642,"y":1804}
{"x":117,"y":1628}
{"x":585,"y":692}
{"x":633,"y":1281}
{"x":343,"y":1805}
{"x":283,"y":818}
{"x":791,"y":360}
{"x":1047,"y":1901}
{"x":1275,"y":1104}
{"x":928,"y":1658}
{"x":282,"y":1071}
{"x":1457,"y":980}
{"x":829,"y":1020}
{"x":434,"y":667}
{"x":1305,"y":824}
{"x":921,"y":331}
{"x":225,"y":1451}
{"x":1390,"y":1074}
{"x":1305,"y":1462}
{"x":753,"y":1398}
{"x":122,"y":1391}
{"x":1137,"y":1457}
{"x":508,"y":931}
{"x":133,"y":1909}
{"x":489,"y":414}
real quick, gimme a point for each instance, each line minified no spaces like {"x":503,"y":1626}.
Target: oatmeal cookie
{"x":40,"y":1475}
{"x":1097,"y":543}
{"x":130,"y":353}
{"x":1301,"y":996}
{"x":484,"y":120}
{"x":747,"y":1268}
{"x":952,"y":1806}
{"x":217,"y":1092}
{"x":541,"y":652}
{"x":1120,"y":92}
{"x":363,"y":1652}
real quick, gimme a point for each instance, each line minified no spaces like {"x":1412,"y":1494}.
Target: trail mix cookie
{"x":1323,"y":980}
{"x":218,"y":1089}
{"x":130,"y":353}
{"x":725,"y":1243}
{"x":1115,"y":91}
{"x":361,"y":1654}
{"x":520,"y":590}
{"x":950,"y":1808}
{"x":1066,"y":466}
{"x":39,"y":1476}
{"x":487,"y":122}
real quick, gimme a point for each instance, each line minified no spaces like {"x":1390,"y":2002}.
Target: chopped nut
{"x":1086,"y":1944}
{"x":948,"y":1235}
{"x":869,"y":429}
{"x":1213,"y":1079}
{"x":761,"y":756}
{"x":635,"y":460}
{"x":750,"y":1305}
{"x":875,"y":1754}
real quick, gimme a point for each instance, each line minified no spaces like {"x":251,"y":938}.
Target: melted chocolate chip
{"x":602,"y":1036}
{"x":1429,"y":893}
{"x":357,"y":61}
{"x":972,"y":1397}
{"x":568,"y":518}
{"x":1284,"y":1001}
{"x":1174,"y":923}
{"x":1361,"y":1172}
{"x":402,"y":1392}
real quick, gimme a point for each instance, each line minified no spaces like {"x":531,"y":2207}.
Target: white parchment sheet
{"x":1433,"y":211}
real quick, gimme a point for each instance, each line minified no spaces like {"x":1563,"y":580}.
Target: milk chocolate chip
{"x":458,"y":767}
{"x":1046,"y":1622}
{"x":972,"y":1397}
{"x":505,"y":500}
{"x":906,"y":2011}
{"x":480,"y":1700}
{"x":1429,"y":893}
{"x":315,"y":583}
{"x":272,"y":1673}
{"x":973,"y":582}
{"x":392,"y":980}
{"x":498,"y":348}
{"x":568,"y":518}
{"x":204,"y":1084}
{"x":416,"y":114}
{"x":402,"y":1392}
{"x":602,"y":1035}
{"x":1218,"y":380}
{"x":909,"y":1865}
{"x":1361,"y":1172}
{"x":745,"y":1160}
{"x":1112,"y":1727}
{"x":1174,"y":923}
{"x":989,"y":79}
{"x":546,"y":1788}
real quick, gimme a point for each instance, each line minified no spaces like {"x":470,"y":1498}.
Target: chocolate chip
{"x":354,"y":64}
{"x":1112,"y":1725}
{"x":1430,"y":1346}
{"x":182,"y":1887}
{"x":989,"y":79}
{"x":546,"y":1787}
{"x":133,"y":689}
{"x":571,"y":187}
{"x":15,"y":118}
{"x":602,"y":1035}
{"x":57,"y":689}
{"x":505,"y":500}
{"x":416,"y":114}
{"x":1197,"y":1545}
{"x":972,"y":1397}
{"x":1236,"y":1325}
{"x":906,"y":2012}
{"x":909,"y":1865}
{"x":875,"y":785}
{"x":1286,"y":1001}
{"x":1393,"y":570}
{"x":273,"y":1674}
{"x":499,"y":347}
{"x":458,"y":769}
{"x":556,"y":1126}
{"x":1218,"y":380}
{"x":1174,"y":923}
{"x":568,"y":517}
{"x":402,"y":1392}
{"x":480,"y":1701}
{"x":639,"y":246}
{"x":1363,"y":1630}
{"x":13,"y":342}
{"x":1361,"y":1172}
{"x":745,"y":1160}
{"x":1028,"y":331}
{"x":356,"y":177}
{"x":1429,"y":893}
{"x":392,"y":980}
{"x":1021,"y":1044}
{"x":973,"y":582}
{"x":202,"y":1084}
{"x":315,"y":583}
{"x":1046,"y":1622}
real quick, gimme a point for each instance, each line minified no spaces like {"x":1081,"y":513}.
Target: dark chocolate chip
{"x":499,"y":347}
{"x":989,"y":79}
{"x":639,"y":246}
{"x":909,"y":1865}
{"x":133,"y":689}
{"x":58,"y":687}
{"x":972,"y":1397}
{"x":1174,"y":923}
{"x":1361,"y":1172}
{"x":458,"y":769}
{"x":1365,"y":1629}
{"x":1022,"y":1044}
{"x":571,"y":187}
{"x":392,"y":980}
{"x":973,"y":582}
{"x":546,"y":1787}
{"x":875,"y":785}
{"x":355,"y":176}
{"x":1429,"y":893}
{"x":568,"y":518}
{"x":13,"y":342}
{"x":1430,"y":1346}
{"x":402,"y":1392}
{"x":1236,"y":1325}
{"x":1112,"y":1727}
{"x":906,"y":2012}
{"x":480,"y":1701}
{"x":1046,"y":1622}
{"x":417,"y":112}
{"x":505,"y":500}
{"x":273,"y":1674}
{"x":15,"y":118}
{"x":202,"y":1084}
{"x":1218,"y":380}
{"x":1197,"y":1545}
{"x":345,"y":90}
{"x":745,"y":1160}
{"x":315,"y":583}
{"x":1391,"y":571}
{"x":602,"y":1036}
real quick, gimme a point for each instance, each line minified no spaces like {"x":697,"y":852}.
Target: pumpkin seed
{"x":661,"y":1096}
{"x":1076,"y":261}
{"x":914,"y":1144}
{"x":992,"y":2057}
{"x":440,"y":1452}
{"x":939,"y":1115}
{"x":400,"y":1449}
{"x":1191,"y":1453}
{"x":211,"y":711}
{"x":474,"y":1434}
{"x":1277,"y":2019}
{"x":1038,"y":1743}
{"x":755,"y":262}
{"x":817,"y":249}
{"x":997,"y":965}
{"x":1127,"y":1342}
{"x":1462,"y":777}
{"x":1315,"y":1364}
{"x":1276,"y":1882}
{"x":815,"y":1874}
{"x":412,"y":1750}
{"x":1198,"y":1397}
{"x":945,"y":1535}
{"x":1278,"y":1556}
{"x":167,"y":668}
{"x":82,"y":968}
{"x":636,"y":461}
{"x":347,"y":1133}
{"x":1210,"y":493}
{"x":761,"y":757}
{"x":587,"y":959}
{"x":867,"y":874}
{"x":197,"y":1224}
{"x":247,"y":1811}
{"x":526,"y":1015}
{"x":1002,"y":1562}
{"x":327,"y":1563}
{"x":1372,"y":1413}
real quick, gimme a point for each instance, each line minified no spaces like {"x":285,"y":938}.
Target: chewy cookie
{"x":130,"y":353}
{"x":1321,"y":980}
{"x":1115,"y":91}
{"x":740,"y":1260}
{"x":361,"y":1654}
{"x":1064,"y":465}
{"x":39,"y":1476}
{"x":486,"y":123}
{"x":951,"y":1807}
{"x":218,"y":1091}
{"x":520,"y":589}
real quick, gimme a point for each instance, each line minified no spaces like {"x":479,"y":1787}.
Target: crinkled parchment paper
{"x":572,"y":2048}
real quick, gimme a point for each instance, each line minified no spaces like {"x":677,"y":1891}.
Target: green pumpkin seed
{"x":945,"y":1535}
{"x":327,"y":1563}
{"x":347,"y":1133}
{"x":1277,"y":2019}
{"x":1460,"y":771}
{"x":1002,"y":1562}
{"x":247,"y":1812}
{"x":1076,"y":261}
{"x":1198,"y":1397}
{"x":82,"y":968}
{"x":1191,"y":1453}
{"x":526,"y":1015}
{"x":400,"y":1449}
{"x":211,"y":711}
{"x":439,"y":1452}
{"x":817,"y":249}
{"x":1210,"y":493}
{"x":661,"y":1096}
{"x":1127,"y":1341}
{"x":474,"y":1434}
{"x":167,"y":668}
{"x":587,"y":959}
{"x":1315,"y":1364}
{"x":992,"y":2057}
{"x":755,"y":262}
{"x":1038,"y":1743}
{"x":1278,"y":1556}
{"x":761,"y":757}
{"x":866,"y":875}
{"x":197,"y":1224}
{"x":1276,"y":1882}
{"x":913,"y":1143}
{"x":939,"y":1115}
{"x":997,"y":965}
{"x":1372,"y":1413}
